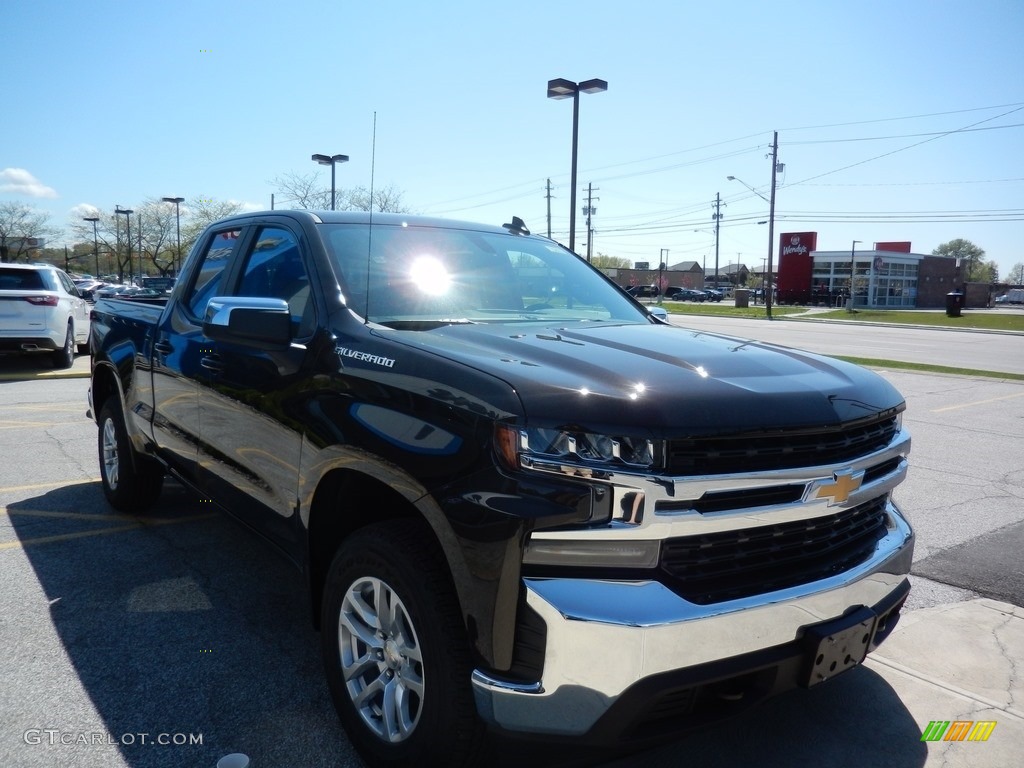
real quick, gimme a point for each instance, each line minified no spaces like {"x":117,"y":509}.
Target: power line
{"x":901,"y":136}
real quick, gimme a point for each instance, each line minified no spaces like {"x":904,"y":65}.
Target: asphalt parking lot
{"x":177,"y":638}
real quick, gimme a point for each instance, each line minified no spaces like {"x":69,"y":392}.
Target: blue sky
{"x":897,"y":120}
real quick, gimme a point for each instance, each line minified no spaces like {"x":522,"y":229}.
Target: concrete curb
{"x":19,"y":371}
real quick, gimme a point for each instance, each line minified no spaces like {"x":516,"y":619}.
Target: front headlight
{"x":576,"y":448}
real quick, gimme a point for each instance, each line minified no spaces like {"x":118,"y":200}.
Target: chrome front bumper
{"x":605,"y":636}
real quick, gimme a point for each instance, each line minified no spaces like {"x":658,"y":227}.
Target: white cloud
{"x":82,"y":210}
{"x":248,"y":207}
{"x":21,"y":182}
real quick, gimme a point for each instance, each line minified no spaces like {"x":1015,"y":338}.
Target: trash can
{"x":954,"y":303}
{"x":742,"y":296}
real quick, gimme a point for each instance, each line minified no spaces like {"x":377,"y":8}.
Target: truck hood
{"x":661,"y":380}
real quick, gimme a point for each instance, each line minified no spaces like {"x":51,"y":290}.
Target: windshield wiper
{"x":424,"y":324}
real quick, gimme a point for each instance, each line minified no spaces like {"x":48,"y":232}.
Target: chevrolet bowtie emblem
{"x":837,"y":489}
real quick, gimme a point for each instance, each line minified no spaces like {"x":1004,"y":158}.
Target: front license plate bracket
{"x":836,"y":646}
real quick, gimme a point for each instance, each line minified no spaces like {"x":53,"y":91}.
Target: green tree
{"x":1016,"y":276}
{"x":987,"y":273}
{"x":604,"y":261}
{"x":970,"y":257}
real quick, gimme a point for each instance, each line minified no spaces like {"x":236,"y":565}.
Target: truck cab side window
{"x":274,"y":270}
{"x":211,"y":271}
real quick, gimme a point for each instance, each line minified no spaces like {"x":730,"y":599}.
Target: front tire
{"x":131,"y":483}
{"x":395,"y":650}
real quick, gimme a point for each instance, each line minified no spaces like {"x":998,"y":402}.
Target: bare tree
{"x":307,"y":191}
{"x":1016,"y":276}
{"x":111,"y":240}
{"x":297,"y":190}
{"x":21,"y":229}
{"x":385,"y":200}
{"x":157,"y":233}
{"x":198,"y":213}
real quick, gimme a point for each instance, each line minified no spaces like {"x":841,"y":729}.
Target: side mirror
{"x":249,"y":321}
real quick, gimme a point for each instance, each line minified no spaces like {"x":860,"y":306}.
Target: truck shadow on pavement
{"x":179,"y":622}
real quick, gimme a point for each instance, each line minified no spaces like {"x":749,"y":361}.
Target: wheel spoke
{"x":359,"y":667}
{"x":361,"y":699}
{"x":380,"y":658}
{"x":360,"y":608}
{"x":405,"y":702}
{"x":110,"y":463}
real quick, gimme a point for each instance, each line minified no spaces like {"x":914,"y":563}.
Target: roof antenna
{"x":369,"y":231}
{"x":517,"y":227}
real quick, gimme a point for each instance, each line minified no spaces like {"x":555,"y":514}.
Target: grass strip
{"x":870,"y":362}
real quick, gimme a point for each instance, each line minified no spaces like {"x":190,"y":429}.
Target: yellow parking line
{"x":112,"y":517}
{"x":977,"y":402}
{"x":65,"y":537}
{"x":47,"y":407}
{"x":54,"y":484}
{"x":140,"y":523}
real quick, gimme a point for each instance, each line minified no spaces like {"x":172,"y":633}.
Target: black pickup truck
{"x":520,"y":502}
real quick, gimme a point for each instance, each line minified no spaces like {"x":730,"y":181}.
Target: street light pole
{"x":95,"y":243}
{"x":853,"y":248}
{"x":332,"y":160}
{"x":560,"y":88}
{"x":127,"y":213}
{"x":177,"y":220}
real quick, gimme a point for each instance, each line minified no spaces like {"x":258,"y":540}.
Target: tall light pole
{"x":177,"y":220}
{"x":332,"y":160}
{"x":127,"y":213}
{"x":560,"y":88}
{"x":853,"y":248}
{"x":95,"y":242}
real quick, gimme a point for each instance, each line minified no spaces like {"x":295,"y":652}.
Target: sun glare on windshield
{"x":430,"y":275}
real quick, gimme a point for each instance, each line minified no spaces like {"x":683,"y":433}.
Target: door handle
{"x":163,"y":348}
{"x":212,"y":363}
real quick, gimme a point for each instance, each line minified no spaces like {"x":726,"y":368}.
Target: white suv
{"x":41,"y":310}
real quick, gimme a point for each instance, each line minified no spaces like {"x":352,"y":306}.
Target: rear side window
{"x":22,"y":280}
{"x":209,"y":278}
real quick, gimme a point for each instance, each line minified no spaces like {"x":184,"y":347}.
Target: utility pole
{"x":662,"y":266}
{"x":589,"y":210}
{"x":717,"y":216}
{"x":771,"y":225}
{"x":548,"y":196}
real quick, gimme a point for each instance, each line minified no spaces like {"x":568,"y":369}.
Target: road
{"x":963,"y":349}
{"x":181,"y":625}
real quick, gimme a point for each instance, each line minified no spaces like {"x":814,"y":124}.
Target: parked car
{"x":87,"y":287}
{"x":643,"y":291}
{"x":713,"y":294}
{"x":41,"y":310}
{"x":686,"y":294}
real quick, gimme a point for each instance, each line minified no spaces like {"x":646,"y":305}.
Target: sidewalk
{"x":961,"y":662}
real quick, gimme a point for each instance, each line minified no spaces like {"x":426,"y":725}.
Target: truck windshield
{"x":418,"y":277}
